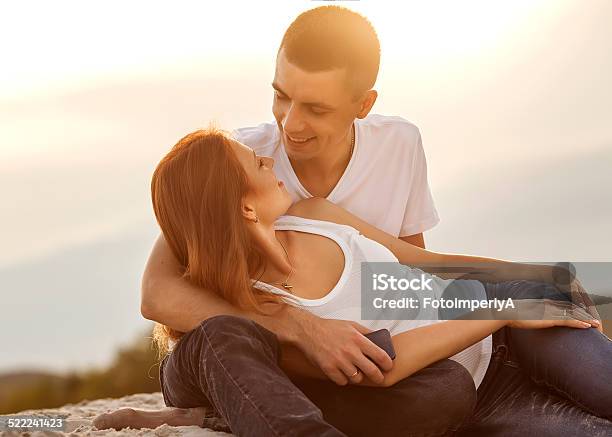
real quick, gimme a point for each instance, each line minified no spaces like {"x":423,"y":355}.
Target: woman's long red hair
{"x":197,"y":191}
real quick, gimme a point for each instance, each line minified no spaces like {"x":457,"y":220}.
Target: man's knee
{"x":226,"y":334}
{"x":443,"y":394}
{"x":227,"y":325}
{"x":459,"y":392}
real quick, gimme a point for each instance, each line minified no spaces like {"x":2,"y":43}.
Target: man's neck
{"x":321,"y":174}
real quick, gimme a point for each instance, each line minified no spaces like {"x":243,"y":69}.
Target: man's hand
{"x":336,"y":348}
{"x":339,"y":349}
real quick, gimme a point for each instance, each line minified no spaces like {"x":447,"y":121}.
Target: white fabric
{"x":384,"y":184}
{"x":344,"y":300}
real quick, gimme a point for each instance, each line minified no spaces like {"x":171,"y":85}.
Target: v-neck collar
{"x":304,"y":191}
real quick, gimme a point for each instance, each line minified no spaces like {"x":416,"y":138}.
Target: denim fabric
{"x":550,"y":382}
{"x":230,"y":364}
{"x":434,"y":401}
{"x":544,"y":382}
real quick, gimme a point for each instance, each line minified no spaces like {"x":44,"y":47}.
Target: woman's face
{"x":267,"y":196}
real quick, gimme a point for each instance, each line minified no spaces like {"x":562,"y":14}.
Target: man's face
{"x":313,"y":110}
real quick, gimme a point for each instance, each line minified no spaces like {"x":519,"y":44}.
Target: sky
{"x":512,"y":100}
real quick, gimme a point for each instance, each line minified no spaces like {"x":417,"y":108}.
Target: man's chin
{"x":299,"y":153}
{"x":300,"y":150}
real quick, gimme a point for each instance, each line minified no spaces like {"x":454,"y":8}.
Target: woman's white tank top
{"x":344,"y":300}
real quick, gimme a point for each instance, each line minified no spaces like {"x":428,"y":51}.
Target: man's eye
{"x":261,"y":162}
{"x":318,"y":111}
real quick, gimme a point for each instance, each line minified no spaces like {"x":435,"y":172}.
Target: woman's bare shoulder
{"x":317,"y":208}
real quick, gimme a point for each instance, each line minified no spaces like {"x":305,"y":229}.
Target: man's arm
{"x":416,"y":240}
{"x":170,"y":299}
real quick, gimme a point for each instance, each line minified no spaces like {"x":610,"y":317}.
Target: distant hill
{"x":9,"y":382}
{"x":134,"y":370}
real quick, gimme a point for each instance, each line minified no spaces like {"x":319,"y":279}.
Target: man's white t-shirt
{"x":385,"y":182}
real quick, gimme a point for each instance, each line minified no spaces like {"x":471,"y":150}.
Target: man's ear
{"x":248,"y":211}
{"x":367,"y":101}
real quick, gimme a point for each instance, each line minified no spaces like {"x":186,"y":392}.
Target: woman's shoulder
{"x":320,"y":211}
{"x":316,"y":208}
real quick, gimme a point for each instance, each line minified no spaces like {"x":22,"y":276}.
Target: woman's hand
{"x":546,"y":313}
{"x":563,"y":277}
{"x":580,"y":296}
{"x":540,"y":324}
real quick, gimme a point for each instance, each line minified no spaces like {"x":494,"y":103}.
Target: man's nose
{"x":293,"y":122}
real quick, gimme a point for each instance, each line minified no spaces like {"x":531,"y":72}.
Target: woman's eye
{"x":261,"y":162}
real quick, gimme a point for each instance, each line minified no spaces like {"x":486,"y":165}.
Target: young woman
{"x":230,"y":222}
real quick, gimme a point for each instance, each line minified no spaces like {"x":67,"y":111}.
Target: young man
{"x":325,"y":144}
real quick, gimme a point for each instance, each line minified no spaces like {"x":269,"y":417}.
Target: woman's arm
{"x":415,"y":349}
{"x":451,"y":266}
{"x":418,"y":348}
{"x":441,"y":264}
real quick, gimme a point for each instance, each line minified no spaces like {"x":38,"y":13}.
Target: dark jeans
{"x":231,"y":365}
{"x":539,"y":383}
{"x":544,"y":382}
